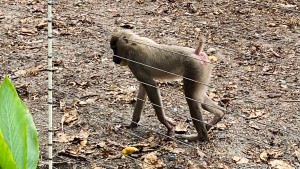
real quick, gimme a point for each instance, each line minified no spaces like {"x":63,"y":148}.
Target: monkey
{"x":150,"y":61}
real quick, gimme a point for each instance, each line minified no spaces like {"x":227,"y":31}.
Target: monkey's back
{"x":162,"y":62}
{"x":166,"y":62}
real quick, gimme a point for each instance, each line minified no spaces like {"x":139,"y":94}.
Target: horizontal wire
{"x":182,"y":96}
{"x":208,"y":124}
{"x":187,"y":78}
{"x":265,"y":104}
{"x":177,"y":140}
{"x":234,"y":69}
{"x":186,"y":144}
{"x":211,"y":63}
{"x":163,"y":70}
{"x":131,"y":133}
{"x":231,"y":112}
{"x":245,"y":98}
{"x":198,"y":59}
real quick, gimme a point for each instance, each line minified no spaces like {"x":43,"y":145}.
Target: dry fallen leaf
{"x":221,"y":126}
{"x":200,"y":153}
{"x":270,"y":153}
{"x":180,"y":128}
{"x":30,"y":72}
{"x":240,"y":160}
{"x":217,"y":11}
{"x":279,"y":164}
{"x":62,"y":138}
{"x":80,"y":140}
{"x":70,"y":115}
{"x":151,"y":161}
{"x":213,"y":58}
{"x":264,"y":156}
{"x":26,"y":31}
{"x":254,"y":125}
{"x":88,"y":101}
{"x":167,"y":19}
{"x":83,"y":134}
{"x":256,"y":114}
{"x":178,"y":150}
{"x":191,"y":165}
{"x":41,"y":24}
{"x":222,"y":166}
{"x":130,"y":89}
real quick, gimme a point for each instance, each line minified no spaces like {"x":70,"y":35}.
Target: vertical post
{"x":50,"y":86}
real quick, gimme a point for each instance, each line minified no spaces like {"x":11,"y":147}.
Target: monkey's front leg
{"x":141,"y":99}
{"x":154,"y":96}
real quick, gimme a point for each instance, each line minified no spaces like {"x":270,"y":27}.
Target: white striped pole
{"x":50,"y":86}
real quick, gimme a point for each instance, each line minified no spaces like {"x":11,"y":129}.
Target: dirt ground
{"x":256,"y":77}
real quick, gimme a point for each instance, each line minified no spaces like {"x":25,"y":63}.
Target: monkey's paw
{"x":132,"y":125}
{"x":170,"y":135}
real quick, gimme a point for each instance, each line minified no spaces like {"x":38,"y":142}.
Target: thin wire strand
{"x":194,"y":147}
{"x":174,"y":74}
{"x":188,"y":145}
{"x":231,"y":112}
{"x":284,"y":130}
{"x":199,"y":59}
{"x":183,"y":96}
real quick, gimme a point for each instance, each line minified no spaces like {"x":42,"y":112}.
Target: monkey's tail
{"x":200,"y":46}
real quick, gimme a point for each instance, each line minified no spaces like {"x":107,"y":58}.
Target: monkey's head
{"x":119,"y":43}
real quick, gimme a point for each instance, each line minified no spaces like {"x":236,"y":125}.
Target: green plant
{"x":18,"y":135}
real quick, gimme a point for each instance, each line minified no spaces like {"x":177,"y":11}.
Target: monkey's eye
{"x":125,"y":39}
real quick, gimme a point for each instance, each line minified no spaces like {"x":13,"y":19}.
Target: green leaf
{"x":6,"y":158}
{"x":12,"y":122}
{"x":32,"y":140}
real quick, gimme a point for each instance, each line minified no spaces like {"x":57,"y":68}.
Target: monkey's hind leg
{"x":213,"y":108}
{"x":141,"y":99}
{"x":191,"y":90}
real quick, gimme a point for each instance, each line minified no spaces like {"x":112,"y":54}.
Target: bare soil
{"x":256,"y":77}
